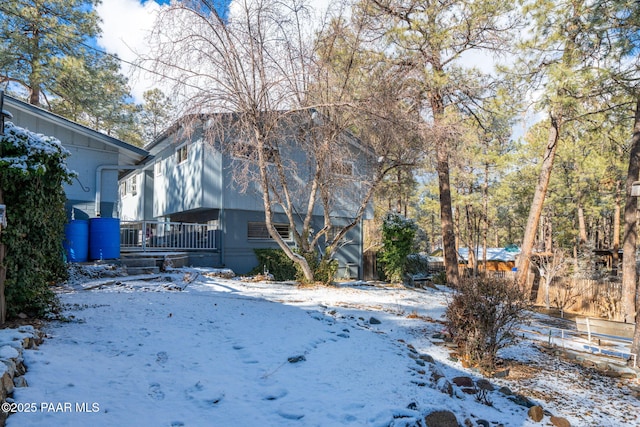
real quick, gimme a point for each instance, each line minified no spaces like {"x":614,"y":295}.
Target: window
{"x":182,"y":153}
{"x":157,"y":168}
{"x":132,"y":185}
{"x":258,"y":230}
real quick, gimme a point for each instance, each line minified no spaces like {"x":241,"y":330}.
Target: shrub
{"x":324,"y":268}
{"x":397,"y":238}
{"x":482,"y":318}
{"x":276,"y":262}
{"x":417,"y":264}
{"x":32,"y":171}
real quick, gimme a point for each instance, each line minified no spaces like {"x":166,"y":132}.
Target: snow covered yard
{"x":192,"y":349}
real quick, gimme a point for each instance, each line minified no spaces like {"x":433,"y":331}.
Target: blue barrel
{"x":76,"y":240}
{"x":104,"y":238}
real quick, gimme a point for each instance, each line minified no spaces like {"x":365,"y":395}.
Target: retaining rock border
{"x":12,"y":344}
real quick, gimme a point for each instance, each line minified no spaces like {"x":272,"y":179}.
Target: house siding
{"x":88,"y":152}
{"x":203,"y":188}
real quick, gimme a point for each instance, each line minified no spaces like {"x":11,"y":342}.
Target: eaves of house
{"x":128,"y":154}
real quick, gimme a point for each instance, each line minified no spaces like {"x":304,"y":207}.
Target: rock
{"x":444,"y":386}
{"x":504,"y":373}
{"x":296,"y":359}
{"x":7,"y":383}
{"x":20,"y":368}
{"x":441,"y":419}
{"x":436,"y":374}
{"x":506,"y":391}
{"x":483,"y":423}
{"x":20,"y":382}
{"x":413,"y":406}
{"x":519,"y":399}
{"x":483,"y":384}
{"x":11,"y":366}
{"x":374,"y":321}
{"x":463,"y":381}
{"x":536,"y":413}
{"x":427,"y":358}
{"x":560,"y":422}
{"x":22,"y":316}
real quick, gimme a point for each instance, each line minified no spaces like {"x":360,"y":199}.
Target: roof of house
{"x":493,"y":254}
{"x":188,"y":123}
{"x":133,"y":153}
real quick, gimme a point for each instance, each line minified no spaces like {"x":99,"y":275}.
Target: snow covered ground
{"x":192,"y":349}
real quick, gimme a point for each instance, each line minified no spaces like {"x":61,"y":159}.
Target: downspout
{"x":99,"y":171}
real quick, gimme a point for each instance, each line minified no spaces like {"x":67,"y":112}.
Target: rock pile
{"x":12,"y":368}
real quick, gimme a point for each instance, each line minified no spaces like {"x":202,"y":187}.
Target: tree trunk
{"x":630,"y":233}
{"x":582,"y":227}
{"x":485,"y":216}
{"x":537,"y":203}
{"x":548,"y":234}
{"x":616,"y":233}
{"x":3,"y":273}
{"x":446,"y":215}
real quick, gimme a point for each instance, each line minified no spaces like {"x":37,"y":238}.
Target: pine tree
{"x":157,"y":113}
{"x":429,"y":41}
{"x":35,"y":38}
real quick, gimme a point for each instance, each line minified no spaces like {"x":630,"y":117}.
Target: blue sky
{"x":221,"y":6}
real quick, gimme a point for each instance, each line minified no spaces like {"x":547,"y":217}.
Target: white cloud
{"x":125,"y":27}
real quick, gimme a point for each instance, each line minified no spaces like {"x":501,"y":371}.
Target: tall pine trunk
{"x":538,"y":202}
{"x":616,"y":233}
{"x":630,"y":233}
{"x":444,"y":185}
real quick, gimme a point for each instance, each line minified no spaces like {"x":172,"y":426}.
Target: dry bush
{"x":483,"y":316}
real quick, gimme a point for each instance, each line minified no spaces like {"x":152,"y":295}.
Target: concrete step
{"x":138,"y":262}
{"x":134,"y":271}
{"x":153,"y":262}
{"x":177,"y":260}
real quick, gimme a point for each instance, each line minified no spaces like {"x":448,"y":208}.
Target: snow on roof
{"x":493,"y":254}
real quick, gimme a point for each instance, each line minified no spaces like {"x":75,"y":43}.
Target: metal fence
{"x":160,"y":235}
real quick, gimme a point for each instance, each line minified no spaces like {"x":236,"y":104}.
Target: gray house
{"x":96,"y":157}
{"x":188,"y":192}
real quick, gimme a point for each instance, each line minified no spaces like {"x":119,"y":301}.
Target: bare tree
{"x":550,"y":267}
{"x":256,"y":78}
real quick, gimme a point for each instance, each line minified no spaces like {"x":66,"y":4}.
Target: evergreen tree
{"x":35,"y":38}
{"x":429,"y":42}
{"x":557,"y":53}
{"x":156,"y":115}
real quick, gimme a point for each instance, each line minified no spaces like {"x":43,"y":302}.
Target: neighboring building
{"x":189,"y":179}
{"x":498,"y":259}
{"x":95,"y":157}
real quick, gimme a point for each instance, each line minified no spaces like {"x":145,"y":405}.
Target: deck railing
{"x":160,"y":235}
